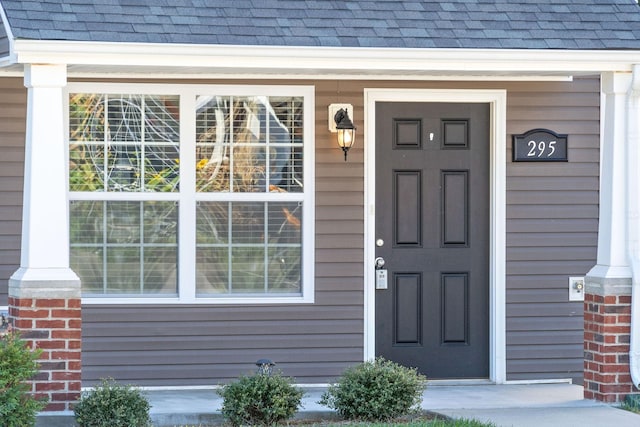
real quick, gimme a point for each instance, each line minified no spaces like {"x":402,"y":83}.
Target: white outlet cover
{"x":575,"y":294}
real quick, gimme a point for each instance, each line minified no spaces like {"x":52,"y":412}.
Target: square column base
{"x":607,"y":334}
{"x":49,"y":317}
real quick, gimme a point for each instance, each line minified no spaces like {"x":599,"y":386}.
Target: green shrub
{"x":112,"y":405}
{"x":375,"y":391}
{"x":18,"y":364}
{"x":260,"y":399}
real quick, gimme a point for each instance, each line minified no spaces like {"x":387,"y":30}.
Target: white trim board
{"x":237,"y":60}
{"x":497,"y":99}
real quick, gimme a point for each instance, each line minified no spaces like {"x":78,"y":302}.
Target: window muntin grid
{"x":123,"y":142}
{"x":273,"y":155}
{"x":249,"y":144}
{"x":124,"y":247}
{"x":248,"y":248}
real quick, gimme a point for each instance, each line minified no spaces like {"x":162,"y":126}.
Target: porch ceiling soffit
{"x":178,"y":60}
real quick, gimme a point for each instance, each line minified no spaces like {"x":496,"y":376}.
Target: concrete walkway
{"x":539,"y":405}
{"x":560,"y":405}
{"x":505,"y":405}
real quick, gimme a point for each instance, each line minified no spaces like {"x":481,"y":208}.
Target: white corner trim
{"x":497,"y":99}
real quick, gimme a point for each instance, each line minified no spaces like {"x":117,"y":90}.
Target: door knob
{"x":379,"y":262}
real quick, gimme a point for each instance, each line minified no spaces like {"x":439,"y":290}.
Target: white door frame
{"x":497,"y":99}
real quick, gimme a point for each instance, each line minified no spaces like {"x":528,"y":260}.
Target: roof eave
{"x":316,"y":61}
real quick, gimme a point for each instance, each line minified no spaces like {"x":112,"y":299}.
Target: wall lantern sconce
{"x":340,"y":123}
{"x":265,"y":366}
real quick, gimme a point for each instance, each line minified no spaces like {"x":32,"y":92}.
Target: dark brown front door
{"x":432,"y":230}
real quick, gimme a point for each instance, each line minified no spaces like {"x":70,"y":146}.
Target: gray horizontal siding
{"x":551,"y":234}
{"x":13,"y":98}
{"x":207,"y":344}
{"x":552,"y":225}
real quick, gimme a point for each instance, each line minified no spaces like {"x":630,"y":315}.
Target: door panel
{"x":432,"y":213}
{"x":455,"y":311}
{"x":407,"y":208}
{"x":408,"y":309}
{"x":455,"y":218}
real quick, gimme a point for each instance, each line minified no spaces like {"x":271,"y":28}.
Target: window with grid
{"x":197,"y":194}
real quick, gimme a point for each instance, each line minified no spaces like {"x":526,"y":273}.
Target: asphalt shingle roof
{"x":492,"y":24}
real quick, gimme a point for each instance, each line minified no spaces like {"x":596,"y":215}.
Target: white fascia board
{"x":236,"y":60}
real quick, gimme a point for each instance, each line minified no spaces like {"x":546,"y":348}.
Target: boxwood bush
{"x":112,"y":405}
{"x":261,"y":399}
{"x":377,"y":390}
{"x":18,"y":364}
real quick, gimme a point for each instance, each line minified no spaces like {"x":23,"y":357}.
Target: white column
{"x":633,"y":222}
{"x":612,"y":262}
{"x":44,"y":262}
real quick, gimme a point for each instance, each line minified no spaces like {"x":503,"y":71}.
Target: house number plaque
{"x":540,"y":145}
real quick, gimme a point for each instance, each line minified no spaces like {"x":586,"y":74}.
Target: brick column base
{"x":607,"y":331}
{"x":53,"y":325}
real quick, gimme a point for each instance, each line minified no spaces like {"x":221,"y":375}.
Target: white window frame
{"x":187,"y":199}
